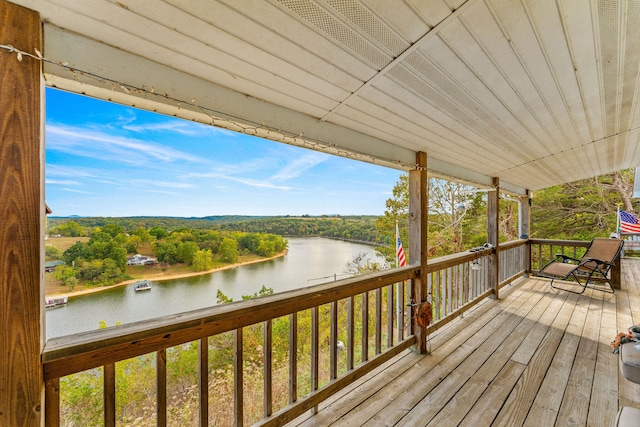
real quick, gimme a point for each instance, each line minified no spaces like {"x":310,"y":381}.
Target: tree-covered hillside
{"x":358,"y":228}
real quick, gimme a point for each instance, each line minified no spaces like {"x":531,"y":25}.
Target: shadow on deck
{"x":538,"y":356}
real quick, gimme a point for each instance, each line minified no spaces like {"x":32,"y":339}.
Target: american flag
{"x":402,"y":260}
{"x":629,"y":222}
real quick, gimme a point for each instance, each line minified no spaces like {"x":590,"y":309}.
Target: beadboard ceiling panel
{"x":534,"y":92}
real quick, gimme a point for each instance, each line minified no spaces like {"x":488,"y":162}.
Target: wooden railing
{"x":366,"y":321}
{"x":543,"y":251}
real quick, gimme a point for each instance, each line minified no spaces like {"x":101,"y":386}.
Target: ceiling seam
{"x":552,"y":71}
{"x":518,"y":56}
{"x":507,"y":80}
{"x":398,"y":60}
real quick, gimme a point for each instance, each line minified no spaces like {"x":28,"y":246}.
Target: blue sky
{"x":104,"y":159}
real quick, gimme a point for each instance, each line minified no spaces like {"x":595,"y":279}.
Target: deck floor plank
{"x":418,"y":385}
{"x":575,"y":404}
{"x":538,"y":356}
{"x":455,"y":410}
{"x":546,"y":404}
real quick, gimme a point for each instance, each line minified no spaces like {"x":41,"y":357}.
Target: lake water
{"x":310,"y":261}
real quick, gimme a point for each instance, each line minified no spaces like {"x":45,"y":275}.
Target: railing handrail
{"x":455,"y":286}
{"x":555,"y":242}
{"x":75,"y":353}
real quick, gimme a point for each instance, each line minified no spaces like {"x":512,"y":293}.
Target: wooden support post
{"x":493,"y":210}
{"x":524,"y":227}
{"x":203,"y":381}
{"x":21,"y":217}
{"x":418,"y":239}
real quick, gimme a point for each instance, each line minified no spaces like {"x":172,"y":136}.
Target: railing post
{"x":616,"y":273}
{"x":524,"y":226}
{"x":418,"y":208}
{"x":493,"y":210}
{"x":21,"y":220}
{"x":109,"y":396}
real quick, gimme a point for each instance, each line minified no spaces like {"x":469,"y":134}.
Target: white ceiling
{"x":534,"y":92}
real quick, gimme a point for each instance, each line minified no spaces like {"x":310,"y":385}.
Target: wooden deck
{"x":538,"y":357}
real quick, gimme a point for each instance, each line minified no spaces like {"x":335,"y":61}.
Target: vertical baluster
{"x":378,"y":321}
{"x":52,"y":403}
{"x":450,"y":289}
{"x":203,"y":381}
{"x":268,"y":353}
{"x":315,"y":352}
{"x":390,"y":309}
{"x":293,"y":357}
{"x":400,"y":310}
{"x":333,"y":341}
{"x":109,"y":395}
{"x":238,"y":379}
{"x":365,"y":327}
{"x":161,"y":388}
{"x":350,"y":333}
{"x":457,"y":285}
{"x":439,"y":293}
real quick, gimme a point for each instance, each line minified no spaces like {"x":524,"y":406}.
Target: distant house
{"x":138,"y":259}
{"x":49,"y":266}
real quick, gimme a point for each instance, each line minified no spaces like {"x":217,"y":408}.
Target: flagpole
{"x":396,"y":242}
{"x":399,"y":307}
{"x":618,"y":220}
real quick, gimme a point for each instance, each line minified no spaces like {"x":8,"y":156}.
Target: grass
{"x":64,"y":243}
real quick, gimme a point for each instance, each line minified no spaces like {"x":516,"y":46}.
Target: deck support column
{"x":493,"y":210}
{"x":22,"y":214}
{"x":418,"y":250}
{"x":524,"y":227}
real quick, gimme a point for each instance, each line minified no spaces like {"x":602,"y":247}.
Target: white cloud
{"x":298,"y":166}
{"x":100,"y":145}
{"x":73,"y":190}
{"x":61,"y":182}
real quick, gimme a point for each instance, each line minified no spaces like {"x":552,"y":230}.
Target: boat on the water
{"x":142,"y":285}
{"x":55,"y":302}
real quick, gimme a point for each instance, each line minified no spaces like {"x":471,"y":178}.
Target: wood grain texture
{"x":66,"y":355}
{"x":21,"y":218}
{"x":418,"y":240}
{"x":493,"y":236}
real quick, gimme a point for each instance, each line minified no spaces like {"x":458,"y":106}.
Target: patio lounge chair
{"x":595,"y":264}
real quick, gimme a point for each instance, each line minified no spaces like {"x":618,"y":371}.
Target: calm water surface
{"x":310,"y":261}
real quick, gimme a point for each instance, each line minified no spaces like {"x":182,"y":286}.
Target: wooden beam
{"x":524,"y":225}
{"x":493,"y":235}
{"x":418,"y":204}
{"x":21,"y":218}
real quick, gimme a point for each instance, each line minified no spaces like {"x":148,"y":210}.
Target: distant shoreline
{"x":161,"y":278}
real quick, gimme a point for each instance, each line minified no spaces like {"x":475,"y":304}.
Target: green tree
{"x":222,"y":298}
{"x":202,"y":260}
{"x":397,"y":211}
{"x":112,"y":229}
{"x":69,"y":229}
{"x":52,"y":253}
{"x":229,"y":250}
{"x":186,"y":251}
{"x":159,"y":232}
{"x":132,"y":244}
{"x":166,"y":252}
{"x":77,"y":251}
{"x":143,"y":234}
{"x":266,"y":248}
{"x":583,"y":209}
{"x":361,"y":264}
{"x":263,"y":292}
{"x":66,"y":275}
